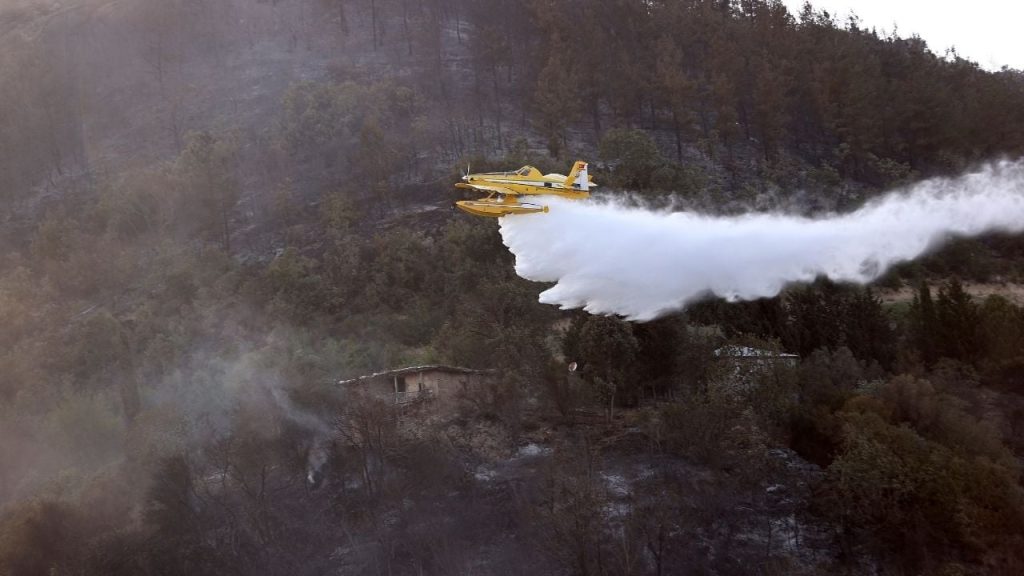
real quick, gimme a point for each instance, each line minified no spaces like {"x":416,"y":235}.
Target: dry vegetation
{"x":214,"y":210}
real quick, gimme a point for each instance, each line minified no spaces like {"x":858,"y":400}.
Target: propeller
{"x":466,"y":175}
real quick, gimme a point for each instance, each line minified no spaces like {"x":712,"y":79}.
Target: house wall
{"x":380,"y":387}
{"x":440,"y":385}
{"x":744,"y":371}
{"x":446,"y":386}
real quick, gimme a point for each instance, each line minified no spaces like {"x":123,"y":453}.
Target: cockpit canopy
{"x":525,"y":170}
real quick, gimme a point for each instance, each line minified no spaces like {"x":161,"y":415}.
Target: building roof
{"x":749,"y":352}
{"x":417,"y":369}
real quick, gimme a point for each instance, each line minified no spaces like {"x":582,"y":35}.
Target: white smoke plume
{"x":609,"y":258}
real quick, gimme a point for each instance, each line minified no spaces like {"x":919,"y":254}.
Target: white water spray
{"x":612,"y":259}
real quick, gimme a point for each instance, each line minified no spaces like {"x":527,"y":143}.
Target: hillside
{"x":213,"y":212}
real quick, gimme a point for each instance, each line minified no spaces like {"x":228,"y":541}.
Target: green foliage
{"x":557,"y":100}
{"x":679,"y":91}
{"x":958,"y":323}
{"x":633,"y":156}
{"x":709,"y":426}
{"x":403,"y":268}
{"x":1001,"y":328}
{"x":925,"y":501}
{"x":953,"y":326}
{"x":295,"y":287}
{"x":341,"y":263}
{"x":106,"y":291}
{"x":661,"y":355}
{"x":918,"y":476}
{"x":809,"y":317}
{"x":318,"y":119}
{"x":605,"y":348}
{"x":942,"y":417}
{"x":493,"y":320}
{"x":130,"y":209}
{"x":826,"y":380}
{"x":353,"y":133}
{"x":207,"y":167}
{"x":924,"y":324}
{"x":868,"y":331}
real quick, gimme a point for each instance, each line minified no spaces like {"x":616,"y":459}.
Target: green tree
{"x":341,"y":260}
{"x":557,"y":99}
{"x":920,"y":502}
{"x":1001,"y":328}
{"x":816,"y":316}
{"x":208,"y":167}
{"x":678,"y":90}
{"x":726,"y":117}
{"x":606,"y":349}
{"x":958,"y":323}
{"x":294,"y":285}
{"x":317,"y":124}
{"x":867,"y":329}
{"x":376,"y":160}
{"x":634,"y":158}
{"x":924,"y":324}
{"x":770,"y":107}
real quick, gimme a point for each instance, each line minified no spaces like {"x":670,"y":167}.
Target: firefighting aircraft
{"x":503,"y":190}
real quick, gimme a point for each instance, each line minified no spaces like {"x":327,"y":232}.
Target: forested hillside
{"x":213,"y":211}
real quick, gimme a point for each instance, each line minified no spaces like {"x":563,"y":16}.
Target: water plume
{"x":610,"y":258}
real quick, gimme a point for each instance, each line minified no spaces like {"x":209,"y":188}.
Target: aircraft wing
{"x":489,"y":188}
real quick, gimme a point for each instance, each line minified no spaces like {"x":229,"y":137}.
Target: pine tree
{"x":958,"y":323}
{"x":557,"y":99}
{"x":208,"y":165}
{"x":924,"y":324}
{"x":867,"y":330}
{"x":678,"y":90}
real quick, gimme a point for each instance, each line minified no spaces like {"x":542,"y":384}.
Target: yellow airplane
{"x":504,"y":188}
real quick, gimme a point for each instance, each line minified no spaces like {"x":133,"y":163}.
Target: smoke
{"x":609,"y":258}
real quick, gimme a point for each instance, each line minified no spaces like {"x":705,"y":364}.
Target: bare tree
{"x":369,"y":428}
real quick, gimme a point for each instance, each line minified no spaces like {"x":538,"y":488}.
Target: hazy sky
{"x":990,"y":32}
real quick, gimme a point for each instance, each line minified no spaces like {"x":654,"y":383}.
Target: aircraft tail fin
{"x":578,"y":178}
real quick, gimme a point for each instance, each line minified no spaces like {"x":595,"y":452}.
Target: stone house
{"x":439,"y":383}
{"x":745,"y":364}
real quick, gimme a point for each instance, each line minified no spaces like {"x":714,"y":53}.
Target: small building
{"x":420,"y":383}
{"x":747,"y":364}
{"x":750,"y":355}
